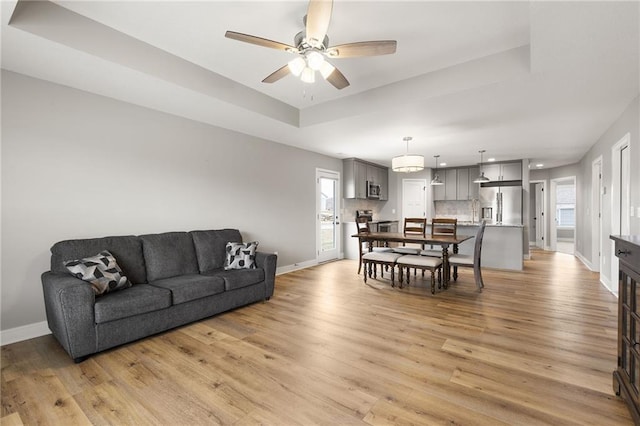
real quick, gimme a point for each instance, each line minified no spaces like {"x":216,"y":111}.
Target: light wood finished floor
{"x":536,"y":347}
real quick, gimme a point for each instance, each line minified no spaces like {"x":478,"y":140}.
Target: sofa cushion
{"x":211,"y":247}
{"x":101,"y":271}
{"x":139,"y":299}
{"x":238,"y":278}
{"x":126,"y":249}
{"x":169,"y":255}
{"x":190,"y":287}
{"x":241,"y":255}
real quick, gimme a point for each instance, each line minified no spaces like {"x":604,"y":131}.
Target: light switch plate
{"x":632,"y":211}
{"x":638,"y":212}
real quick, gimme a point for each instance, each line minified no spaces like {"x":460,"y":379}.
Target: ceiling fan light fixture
{"x":315,"y":60}
{"x":407,"y":163}
{"x":326,"y":69}
{"x":296,"y":66}
{"x":308,"y":75}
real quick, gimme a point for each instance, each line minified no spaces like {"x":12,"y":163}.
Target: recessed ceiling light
{"x":491,"y":159}
{"x":443,"y":164}
{"x":539,"y":165}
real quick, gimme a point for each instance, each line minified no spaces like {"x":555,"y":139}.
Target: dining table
{"x":443,"y":241}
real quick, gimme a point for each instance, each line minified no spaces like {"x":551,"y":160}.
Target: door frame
{"x":544,"y":211}
{"x":616,"y":196}
{"x":596,"y":216}
{"x":333,"y":254}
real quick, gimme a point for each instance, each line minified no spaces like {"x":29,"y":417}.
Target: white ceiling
{"x":536,"y":80}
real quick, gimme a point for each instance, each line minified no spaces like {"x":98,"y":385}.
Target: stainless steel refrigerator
{"x":501,"y":204}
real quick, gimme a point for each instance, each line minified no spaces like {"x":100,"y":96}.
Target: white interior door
{"x":553,"y":220}
{"x":414,"y":198}
{"x":327,"y":215}
{"x":539,"y":217}
{"x":620,"y":187}
{"x":596,"y":216}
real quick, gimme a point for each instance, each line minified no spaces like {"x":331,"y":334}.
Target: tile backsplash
{"x":350,"y":206}
{"x":461,"y":210}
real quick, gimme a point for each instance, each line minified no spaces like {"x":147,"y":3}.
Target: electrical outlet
{"x":393,"y":211}
{"x":638,"y":212}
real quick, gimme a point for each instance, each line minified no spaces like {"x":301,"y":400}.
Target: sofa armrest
{"x":268,"y":262}
{"x":69,"y":304}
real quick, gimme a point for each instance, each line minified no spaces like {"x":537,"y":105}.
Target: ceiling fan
{"x":312,"y":46}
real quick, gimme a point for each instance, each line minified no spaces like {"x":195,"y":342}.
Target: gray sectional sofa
{"x":177,"y":278}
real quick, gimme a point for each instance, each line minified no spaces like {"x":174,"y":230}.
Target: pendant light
{"x":482,"y":178}
{"x":436,"y":179}
{"x":409,"y":162}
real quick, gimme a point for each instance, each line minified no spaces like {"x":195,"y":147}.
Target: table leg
{"x":445,"y":266}
{"x":455,"y":268}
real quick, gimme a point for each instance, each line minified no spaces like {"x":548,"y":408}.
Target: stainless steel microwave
{"x":373,"y":190}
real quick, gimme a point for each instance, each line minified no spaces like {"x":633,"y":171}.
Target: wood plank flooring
{"x":535,"y":347}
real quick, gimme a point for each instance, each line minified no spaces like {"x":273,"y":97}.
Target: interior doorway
{"x":327,"y":217}
{"x":563,"y":215}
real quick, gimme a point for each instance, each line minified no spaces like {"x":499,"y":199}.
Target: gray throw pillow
{"x":241,"y":255}
{"x":101,"y":271}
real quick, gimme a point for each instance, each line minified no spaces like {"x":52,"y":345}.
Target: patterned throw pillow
{"x":101,"y":271}
{"x":241,"y":255}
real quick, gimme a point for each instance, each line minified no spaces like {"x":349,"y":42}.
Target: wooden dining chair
{"x":461,"y":260}
{"x":413,"y":226}
{"x":432,"y":264}
{"x":362,"y":225}
{"x":439,"y":227}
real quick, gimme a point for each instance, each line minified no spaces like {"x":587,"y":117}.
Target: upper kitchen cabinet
{"x":474,"y":188}
{"x":503,"y":171}
{"x":356,"y":175}
{"x":458,"y":184}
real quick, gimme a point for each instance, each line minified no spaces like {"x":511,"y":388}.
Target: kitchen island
{"x":501,"y":245}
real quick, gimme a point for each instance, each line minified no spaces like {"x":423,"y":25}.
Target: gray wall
{"x":628,"y":122}
{"x":77,"y":165}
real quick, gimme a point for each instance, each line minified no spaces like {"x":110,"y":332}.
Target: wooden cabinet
{"x":626,"y":377}
{"x":356,"y":174}
{"x":503,"y":171}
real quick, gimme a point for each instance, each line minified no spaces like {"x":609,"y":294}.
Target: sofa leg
{"x":80,"y":359}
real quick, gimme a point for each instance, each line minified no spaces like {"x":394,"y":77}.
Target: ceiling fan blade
{"x":259,"y":41}
{"x":277,"y":75}
{"x":338,"y":79}
{"x":318,"y":18}
{"x":363,"y":48}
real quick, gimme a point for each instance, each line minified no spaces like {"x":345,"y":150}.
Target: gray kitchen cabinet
{"x":451,"y":184}
{"x":463,"y":185}
{"x":503,"y":171}
{"x":474,"y":188}
{"x":439,"y":190}
{"x":356,"y":174}
{"x":511,"y":171}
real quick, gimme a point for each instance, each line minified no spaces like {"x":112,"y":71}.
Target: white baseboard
{"x":24,"y":332}
{"x":296,"y":266}
{"x":584,"y":260}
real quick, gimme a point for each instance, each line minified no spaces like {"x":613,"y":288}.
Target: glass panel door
{"x":328,"y":206}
